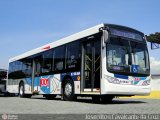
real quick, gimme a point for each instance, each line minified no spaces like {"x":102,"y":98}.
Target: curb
{"x":153,"y":95}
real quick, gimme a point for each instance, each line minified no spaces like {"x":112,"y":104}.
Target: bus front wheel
{"x":68,"y":90}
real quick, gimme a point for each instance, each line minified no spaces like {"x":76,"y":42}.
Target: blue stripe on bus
{"x":120,"y":76}
{"x":37,"y":81}
{"x":29,"y":81}
{"x":74,"y":75}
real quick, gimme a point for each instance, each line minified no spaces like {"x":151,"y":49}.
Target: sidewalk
{"x":153,"y":95}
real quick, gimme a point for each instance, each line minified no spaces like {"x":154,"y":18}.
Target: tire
{"x":21,"y":91}
{"x":107,"y":98}
{"x":50,"y":97}
{"x":68,"y":90}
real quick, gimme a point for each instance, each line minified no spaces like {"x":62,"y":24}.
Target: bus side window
{"x":11,"y":70}
{"x":38,"y":65}
{"x":73,"y":56}
{"x":27,"y":67}
{"x":47,"y":61}
{"x":59,"y":58}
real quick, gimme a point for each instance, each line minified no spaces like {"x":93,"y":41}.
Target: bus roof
{"x":76,"y":36}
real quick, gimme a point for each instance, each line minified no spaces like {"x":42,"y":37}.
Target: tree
{"x":154,"y":37}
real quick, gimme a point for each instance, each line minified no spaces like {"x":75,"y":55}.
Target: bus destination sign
{"x":126,"y":34}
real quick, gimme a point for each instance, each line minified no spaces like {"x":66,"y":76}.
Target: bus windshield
{"x":126,"y":56}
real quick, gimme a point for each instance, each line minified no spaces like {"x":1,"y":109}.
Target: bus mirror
{"x":104,"y":38}
{"x":105,"y":35}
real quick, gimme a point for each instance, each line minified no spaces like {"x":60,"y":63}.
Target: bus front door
{"x":91,"y":66}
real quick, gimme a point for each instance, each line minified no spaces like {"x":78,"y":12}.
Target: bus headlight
{"x":112,"y":79}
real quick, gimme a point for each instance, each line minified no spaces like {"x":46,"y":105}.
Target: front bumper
{"x":117,"y":89}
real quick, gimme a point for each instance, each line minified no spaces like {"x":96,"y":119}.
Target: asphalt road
{"x":40,"y":105}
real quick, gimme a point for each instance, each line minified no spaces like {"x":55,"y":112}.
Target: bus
{"x":102,"y":62}
{"x":3,"y":76}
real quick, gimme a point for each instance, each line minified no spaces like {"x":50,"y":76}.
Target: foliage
{"x":154,"y":37}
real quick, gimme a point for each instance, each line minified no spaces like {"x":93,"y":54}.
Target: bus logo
{"x":44,"y":82}
{"x":47,"y":47}
{"x":135,"y":68}
{"x":137,"y":79}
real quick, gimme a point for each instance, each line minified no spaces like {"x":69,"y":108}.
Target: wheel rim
{"x":21,"y":90}
{"x":68,"y":89}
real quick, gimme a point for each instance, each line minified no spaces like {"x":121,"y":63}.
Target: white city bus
{"x":103,"y":62}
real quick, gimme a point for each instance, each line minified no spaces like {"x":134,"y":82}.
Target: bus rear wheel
{"x":21,"y":91}
{"x":68,"y":90}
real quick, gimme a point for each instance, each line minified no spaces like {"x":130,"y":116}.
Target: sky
{"x":28,"y":24}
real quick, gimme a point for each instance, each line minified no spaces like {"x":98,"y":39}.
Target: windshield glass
{"x":140,"y":56}
{"x":126,"y":56}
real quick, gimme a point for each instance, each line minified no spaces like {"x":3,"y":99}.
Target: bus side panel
{"x":77,"y":87}
{"x":12,"y":88}
{"x":36,"y":84}
{"x":9,"y":88}
{"x":76,"y":78}
{"x":28,"y":82}
{"x":49,"y":84}
{"x":56,"y":84}
{"x":13,"y":85}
